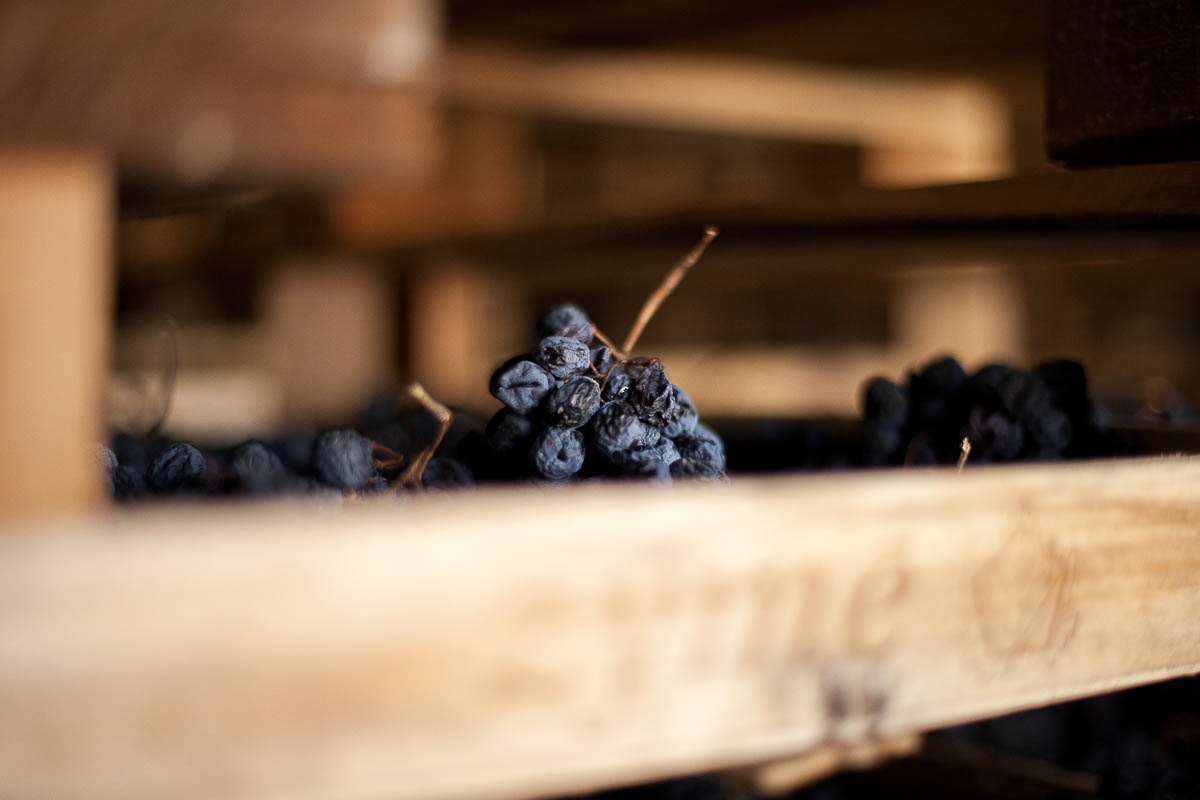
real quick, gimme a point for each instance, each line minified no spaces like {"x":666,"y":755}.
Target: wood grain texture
{"x":514,"y":643}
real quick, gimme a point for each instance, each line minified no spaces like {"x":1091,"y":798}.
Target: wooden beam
{"x":225,"y":92}
{"x":961,"y":122}
{"x":509,"y":643}
{"x":56,"y":223}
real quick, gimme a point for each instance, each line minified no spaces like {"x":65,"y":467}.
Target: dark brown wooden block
{"x":1123,"y":81}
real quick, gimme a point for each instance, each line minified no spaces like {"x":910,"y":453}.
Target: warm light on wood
{"x":56,"y":221}
{"x":506,"y":644}
{"x":923,"y":129}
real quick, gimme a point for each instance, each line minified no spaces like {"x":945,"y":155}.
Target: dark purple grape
{"x":602,"y":359}
{"x":179,"y":467}
{"x":562,"y":356}
{"x":881,"y":443}
{"x":884,"y":402}
{"x":652,"y":396}
{"x":616,"y":427}
{"x":343,"y":459}
{"x":1024,"y":396}
{"x":127,"y":484}
{"x":931,"y":389}
{"x":617,"y":386}
{"x":509,"y":433}
{"x":695,"y":469}
{"x":253,"y":469}
{"x":573,"y":403}
{"x":104,"y":457}
{"x":685,"y":417}
{"x":566,"y":320}
{"x":650,"y":469}
{"x":521,"y":385}
{"x":994,"y":436}
{"x":1049,"y":434}
{"x":702,"y":444}
{"x":558,"y":453}
{"x":446,"y":473}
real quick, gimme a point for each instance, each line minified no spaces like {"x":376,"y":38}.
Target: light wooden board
{"x":955,"y":127}
{"x":514,"y":643}
{"x":56,"y":226}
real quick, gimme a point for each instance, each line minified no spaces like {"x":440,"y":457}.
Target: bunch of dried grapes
{"x":575,"y":407}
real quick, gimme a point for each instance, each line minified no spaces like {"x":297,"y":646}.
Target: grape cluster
{"x":329,"y":463}
{"x":574,"y":408}
{"x":1007,"y":414}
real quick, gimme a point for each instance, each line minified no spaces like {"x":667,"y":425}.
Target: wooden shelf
{"x":509,"y":643}
{"x":224,"y":94}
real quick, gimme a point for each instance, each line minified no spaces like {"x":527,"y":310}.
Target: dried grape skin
{"x":508,"y":432}
{"x":652,"y":396}
{"x":443,"y":474}
{"x":521,"y":385}
{"x":253,"y":469}
{"x":562,"y":356}
{"x":558,"y":453}
{"x":573,"y":403}
{"x":616,"y":386}
{"x":616,"y":427}
{"x":686,"y":417}
{"x":343,"y":459}
{"x":179,"y":467}
{"x":696,"y":469}
{"x":567,"y":320}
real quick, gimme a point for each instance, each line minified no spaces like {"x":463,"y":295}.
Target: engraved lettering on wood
{"x":805,"y":620}
{"x":856,"y":694}
{"x":876,"y":601}
{"x":783,"y":618}
{"x":1023,"y":595}
{"x":624,"y":626}
{"x":533,"y":674}
{"x":717,"y":594}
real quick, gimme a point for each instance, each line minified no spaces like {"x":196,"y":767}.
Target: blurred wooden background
{"x":440,"y":172}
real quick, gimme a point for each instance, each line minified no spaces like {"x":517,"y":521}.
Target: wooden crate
{"x":510,"y":643}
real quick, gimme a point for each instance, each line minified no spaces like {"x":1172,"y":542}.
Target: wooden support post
{"x":329,"y":331}
{"x":56,"y":222}
{"x":462,"y":323}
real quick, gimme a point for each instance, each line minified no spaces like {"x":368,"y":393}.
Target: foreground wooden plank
{"x":505,"y":644}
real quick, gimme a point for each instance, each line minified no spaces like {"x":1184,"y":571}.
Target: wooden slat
{"x":512,"y":643}
{"x":957,"y":126}
{"x":214,"y":93}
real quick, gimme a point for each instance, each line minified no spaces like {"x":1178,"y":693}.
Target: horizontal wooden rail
{"x":959,"y":124}
{"x":524,"y":642}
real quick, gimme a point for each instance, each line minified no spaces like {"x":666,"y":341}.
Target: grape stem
{"x":170,"y":373}
{"x":965,"y":450}
{"x":391,"y":458}
{"x":650,"y":307}
{"x":412,"y":474}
